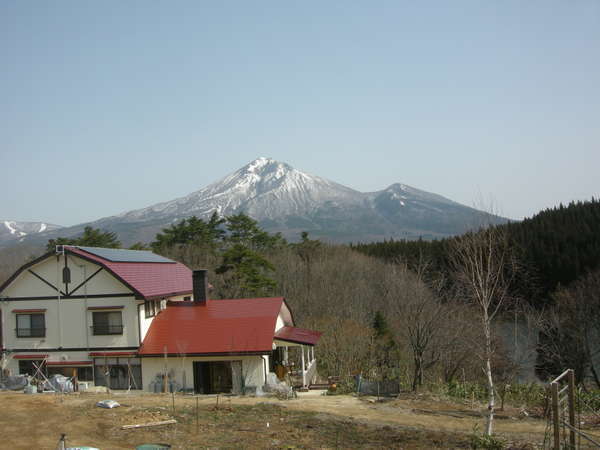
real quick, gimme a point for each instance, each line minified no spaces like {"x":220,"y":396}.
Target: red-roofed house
{"x":131,"y":319}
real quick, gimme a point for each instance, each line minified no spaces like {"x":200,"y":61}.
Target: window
{"x":31,"y":325}
{"x":26,"y":366}
{"x":118,"y":373}
{"x":83,"y":373}
{"x":149,"y":308}
{"x":153,"y":307}
{"x":109,"y":322}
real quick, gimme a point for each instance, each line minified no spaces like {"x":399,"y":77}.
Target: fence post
{"x":572,"y":408}
{"x":555,"y":414}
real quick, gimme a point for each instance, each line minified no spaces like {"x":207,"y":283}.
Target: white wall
{"x":284,"y":318}
{"x":252,"y":369}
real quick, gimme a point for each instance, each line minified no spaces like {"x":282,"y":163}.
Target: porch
{"x":303,"y":342}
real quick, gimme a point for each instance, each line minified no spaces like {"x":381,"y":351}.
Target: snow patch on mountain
{"x":10,"y":227}
{"x":15,"y":231}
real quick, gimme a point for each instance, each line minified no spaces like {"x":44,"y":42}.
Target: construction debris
{"x":13,"y":383}
{"x":108,"y":404}
{"x":58,"y":383}
{"x":149,"y":424}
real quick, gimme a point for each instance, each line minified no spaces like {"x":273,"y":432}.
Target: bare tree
{"x":571,"y":333}
{"x":418,"y":316}
{"x":483,"y":268}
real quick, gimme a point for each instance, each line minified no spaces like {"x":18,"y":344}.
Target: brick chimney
{"x":200,"y":286}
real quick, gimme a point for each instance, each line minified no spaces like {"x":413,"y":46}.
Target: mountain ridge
{"x":284,"y":199}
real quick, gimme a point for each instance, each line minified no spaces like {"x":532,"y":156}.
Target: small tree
{"x":483,"y":267}
{"x":383,"y":346}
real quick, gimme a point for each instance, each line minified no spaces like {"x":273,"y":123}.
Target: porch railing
{"x":309,"y":374}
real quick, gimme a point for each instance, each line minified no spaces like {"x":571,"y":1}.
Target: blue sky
{"x":116,"y":105}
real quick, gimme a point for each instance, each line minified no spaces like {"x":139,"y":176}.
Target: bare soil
{"x":311,"y":421}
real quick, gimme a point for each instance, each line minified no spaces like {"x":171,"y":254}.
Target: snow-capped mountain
{"x":290,"y":201}
{"x":264,"y":189}
{"x":12,"y":231}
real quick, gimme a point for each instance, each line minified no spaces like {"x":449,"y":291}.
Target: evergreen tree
{"x":139,"y":246}
{"x":91,"y":237}
{"x":380,"y":325}
{"x":249,"y":271}
{"x":191,"y":231}
{"x":242,"y":229}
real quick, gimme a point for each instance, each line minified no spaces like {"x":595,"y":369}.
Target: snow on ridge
{"x":265,"y":187}
{"x":258,"y":163}
{"x":42,"y":227}
{"x":9,"y":226}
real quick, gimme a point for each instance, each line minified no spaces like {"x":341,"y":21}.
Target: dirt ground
{"x":311,"y":421}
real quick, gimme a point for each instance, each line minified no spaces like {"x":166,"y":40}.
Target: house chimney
{"x":200,"y":286}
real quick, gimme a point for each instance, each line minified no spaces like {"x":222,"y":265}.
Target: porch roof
{"x":298,"y":335}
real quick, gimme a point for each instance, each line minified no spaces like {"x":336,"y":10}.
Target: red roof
{"x":298,"y":335}
{"x":217,"y":327}
{"x":147,"y":279}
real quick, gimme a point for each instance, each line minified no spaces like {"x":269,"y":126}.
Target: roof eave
{"x":167,"y":294}
{"x":236,"y":353}
{"x":277,"y":338}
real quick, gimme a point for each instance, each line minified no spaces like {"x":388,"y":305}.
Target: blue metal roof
{"x":122,"y":255}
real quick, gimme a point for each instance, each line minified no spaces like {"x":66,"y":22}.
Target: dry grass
{"x":36,"y":421}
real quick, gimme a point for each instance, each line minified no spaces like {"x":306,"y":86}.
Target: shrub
{"x":483,"y":441}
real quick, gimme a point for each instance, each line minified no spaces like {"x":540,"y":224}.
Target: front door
{"x":212,"y":377}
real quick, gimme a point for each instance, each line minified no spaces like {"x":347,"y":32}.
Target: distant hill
{"x":561,"y":243}
{"x":556,"y":246}
{"x":284,"y":199}
{"x":12,"y":231}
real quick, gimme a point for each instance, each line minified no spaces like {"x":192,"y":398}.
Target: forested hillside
{"x":555,"y":247}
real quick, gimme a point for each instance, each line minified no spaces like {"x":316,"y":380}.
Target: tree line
{"x":558,"y":246}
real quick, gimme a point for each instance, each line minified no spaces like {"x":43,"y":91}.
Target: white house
{"x":134,"y":319}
